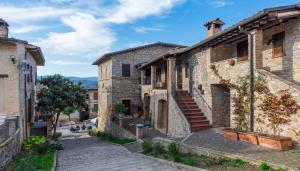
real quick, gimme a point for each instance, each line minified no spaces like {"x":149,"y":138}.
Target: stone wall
{"x":9,"y":149}
{"x":287,"y":66}
{"x":104,"y":87}
{"x":201,"y":60}
{"x":178,"y":126}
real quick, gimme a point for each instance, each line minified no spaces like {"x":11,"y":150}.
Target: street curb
{"x":206,"y":151}
{"x":179,"y":166}
{"x":54,"y":161}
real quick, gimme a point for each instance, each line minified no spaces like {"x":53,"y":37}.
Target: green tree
{"x":57,"y":95}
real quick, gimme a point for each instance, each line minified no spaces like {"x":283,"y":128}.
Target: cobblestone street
{"x":90,"y":154}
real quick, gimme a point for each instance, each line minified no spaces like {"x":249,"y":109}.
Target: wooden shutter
{"x":278,"y":45}
{"x":242,"y":51}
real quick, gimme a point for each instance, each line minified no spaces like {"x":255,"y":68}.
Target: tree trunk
{"x":69,"y":117}
{"x":55,"y":125}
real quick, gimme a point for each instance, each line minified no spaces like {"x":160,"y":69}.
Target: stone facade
{"x":18,"y":73}
{"x":92,"y":101}
{"x":113,"y":87}
{"x":213,"y":98}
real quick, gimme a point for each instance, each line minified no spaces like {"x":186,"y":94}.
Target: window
{"x":126,"y":70}
{"x":127,"y":104}
{"x":87,"y":96}
{"x":278,"y":45}
{"x":147,"y":76}
{"x":95,"y":108}
{"x":242,"y":51}
{"x":186,"y":69}
{"x":96,"y":96}
{"x":158,"y":75}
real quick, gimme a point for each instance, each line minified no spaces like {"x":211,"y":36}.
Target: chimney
{"x":3,"y":28}
{"x":213,"y":27}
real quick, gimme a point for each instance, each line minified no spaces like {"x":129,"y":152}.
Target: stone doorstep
{"x":179,"y":166}
{"x":190,"y":148}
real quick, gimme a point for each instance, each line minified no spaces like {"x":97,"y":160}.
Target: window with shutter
{"x":278,"y":45}
{"x":126,"y":70}
{"x":242,"y":51}
{"x":186,"y":69}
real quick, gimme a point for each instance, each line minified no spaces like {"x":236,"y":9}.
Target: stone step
{"x":188,"y":106}
{"x":195,"y":128}
{"x":191,"y":117}
{"x":199,"y":122}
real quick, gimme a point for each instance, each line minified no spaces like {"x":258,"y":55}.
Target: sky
{"x":74,"y":33}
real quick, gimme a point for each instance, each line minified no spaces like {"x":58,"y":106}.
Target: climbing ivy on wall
{"x":277,"y":109}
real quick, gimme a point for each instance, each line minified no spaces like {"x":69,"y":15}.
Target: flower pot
{"x":232,"y":134}
{"x":249,"y":137}
{"x":230,"y":62}
{"x":277,"y":143}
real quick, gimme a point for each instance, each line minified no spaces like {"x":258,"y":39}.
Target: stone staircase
{"x":192,"y":112}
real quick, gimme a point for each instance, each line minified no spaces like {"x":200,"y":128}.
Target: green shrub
{"x":264,"y":166}
{"x":42,"y":148}
{"x":158,"y":148}
{"x":177,"y":158}
{"x":92,"y":133}
{"x":173,"y":149}
{"x":190,"y":162}
{"x":147,"y":147}
{"x":33,"y":141}
{"x":237,"y":163}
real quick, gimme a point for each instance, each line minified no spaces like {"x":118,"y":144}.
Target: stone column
{"x":258,"y":49}
{"x":171,"y":75}
{"x":153,"y":76}
{"x":142,"y":76}
{"x":139,"y":131}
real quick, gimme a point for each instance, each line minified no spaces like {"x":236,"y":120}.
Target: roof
{"x":222,"y":36}
{"x":34,"y":50}
{"x":169,"y":53}
{"x":108,"y":55}
{"x":242,"y":23}
{"x":3,"y":22}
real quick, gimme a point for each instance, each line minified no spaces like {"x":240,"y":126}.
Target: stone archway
{"x":162,"y":117}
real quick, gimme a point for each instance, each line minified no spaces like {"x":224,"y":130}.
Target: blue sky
{"x":73,"y":33}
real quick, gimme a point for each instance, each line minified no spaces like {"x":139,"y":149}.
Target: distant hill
{"x":87,"y":82}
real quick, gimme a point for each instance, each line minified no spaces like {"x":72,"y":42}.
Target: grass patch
{"x":202,"y":161}
{"x":113,"y":139}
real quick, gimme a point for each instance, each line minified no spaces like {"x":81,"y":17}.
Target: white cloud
{"x":87,"y":25}
{"x":129,"y":10}
{"x":24,"y":14}
{"x":219,"y":3}
{"x":61,"y":62}
{"x":26,"y":29}
{"x":89,"y":37}
{"x":143,"y":29}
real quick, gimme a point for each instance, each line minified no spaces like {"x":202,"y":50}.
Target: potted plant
{"x":120,"y":108}
{"x":278,"y":110}
{"x":230,"y":62}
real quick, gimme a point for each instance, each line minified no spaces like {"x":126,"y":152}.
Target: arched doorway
{"x":162,"y":117}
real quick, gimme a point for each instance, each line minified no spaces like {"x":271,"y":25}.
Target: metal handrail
{"x":202,"y":98}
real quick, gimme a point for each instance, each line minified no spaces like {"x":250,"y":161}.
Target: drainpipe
{"x":251,"y":62}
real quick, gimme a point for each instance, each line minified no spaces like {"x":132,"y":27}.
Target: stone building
{"x":18,"y":78}
{"x":119,"y":77}
{"x":193,"y":98}
{"x":92,"y":101}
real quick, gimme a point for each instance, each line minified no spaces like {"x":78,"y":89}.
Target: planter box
{"x":248,"y":137}
{"x":232,"y":134}
{"x":277,"y":143}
